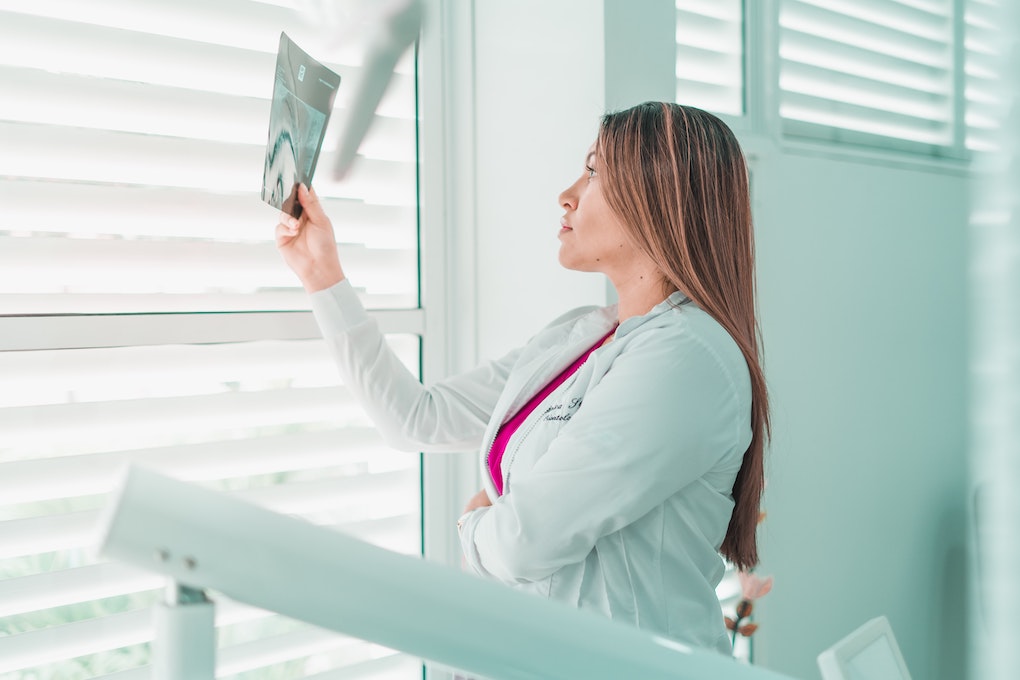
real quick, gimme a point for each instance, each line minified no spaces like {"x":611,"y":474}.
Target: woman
{"x":622,"y":446}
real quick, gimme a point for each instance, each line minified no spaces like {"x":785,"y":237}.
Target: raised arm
{"x":449,"y":416}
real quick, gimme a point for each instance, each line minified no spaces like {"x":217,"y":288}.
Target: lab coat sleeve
{"x":449,"y":416}
{"x":664,"y":414}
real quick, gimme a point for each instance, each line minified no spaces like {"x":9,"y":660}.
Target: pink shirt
{"x":508,"y":428}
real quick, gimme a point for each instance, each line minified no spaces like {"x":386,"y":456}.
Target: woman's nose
{"x":568,"y":197}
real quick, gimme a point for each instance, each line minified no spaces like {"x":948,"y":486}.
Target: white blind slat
{"x":13,"y":305}
{"x":94,"y":635}
{"x":63,"y":46}
{"x":710,"y":55}
{"x":926,"y":21}
{"x":270,"y":651}
{"x":160,"y":213}
{"x":32,"y":481}
{"x":388,"y":666}
{"x":254,"y":24}
{"x":71,"y":586}
{"x":130,"y":422}
{"x":36,"y":96}
{"x":804,"y":49}
{"x":33,"y":536}
{"x":74,"y":531}
{"x":916,"y":43}
{"x":714,"y":68}
{"x":137,"y":673}
{"x":53,"y":265}
{"x":299,"y":363}
{"x":72,"y":48}
{"x":57,"y":152}
{"x":841,"y":90}
{"x":42,"y":647}
{"x":811,"y":118}
{"x":360,"y":497}
{"x":709,"y":33}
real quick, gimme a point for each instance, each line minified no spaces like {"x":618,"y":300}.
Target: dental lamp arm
{"x":208,"y":540}
{"x":398,"y":29}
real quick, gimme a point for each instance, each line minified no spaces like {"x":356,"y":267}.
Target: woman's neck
{"x":639,"y":293}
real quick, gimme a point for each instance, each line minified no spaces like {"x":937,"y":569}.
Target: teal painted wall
{"x":863,"y":289}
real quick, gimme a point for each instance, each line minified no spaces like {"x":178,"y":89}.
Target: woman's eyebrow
{"x":590,"y":159}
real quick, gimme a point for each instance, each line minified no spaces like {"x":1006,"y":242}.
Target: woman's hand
{"x":308,"y":245}
{"x":479,"y":500}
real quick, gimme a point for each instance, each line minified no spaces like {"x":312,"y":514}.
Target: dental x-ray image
{"x":303,"y":95}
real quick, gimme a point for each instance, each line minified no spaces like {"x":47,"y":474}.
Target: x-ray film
{"x":303,"y":95}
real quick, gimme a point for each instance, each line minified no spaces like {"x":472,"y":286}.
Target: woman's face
{"x":591,"y":237}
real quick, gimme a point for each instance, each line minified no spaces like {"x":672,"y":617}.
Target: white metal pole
{"x":185,"y":643}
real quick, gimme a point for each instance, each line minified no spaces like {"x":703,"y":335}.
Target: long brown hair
{"x":677,"y":179}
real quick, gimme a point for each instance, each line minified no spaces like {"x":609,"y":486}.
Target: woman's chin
{"x":574,"y":264}
{"x":566,"y":261}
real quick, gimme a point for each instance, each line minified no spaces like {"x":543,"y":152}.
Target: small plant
{"x":752,"y":587}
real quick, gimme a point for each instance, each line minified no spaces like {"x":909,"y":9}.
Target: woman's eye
{"x":590,"y":170}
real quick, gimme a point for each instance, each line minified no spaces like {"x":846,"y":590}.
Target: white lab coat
{"x":617,"y":488}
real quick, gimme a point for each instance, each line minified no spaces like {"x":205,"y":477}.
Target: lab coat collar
{"x":676,"y":299}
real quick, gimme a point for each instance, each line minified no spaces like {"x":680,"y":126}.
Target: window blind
{"x":874,"y":72}
{"x":132,"y":135}
{"x":983,"y":88}
{"x":710,"y":55}
{"x":263,"y":420}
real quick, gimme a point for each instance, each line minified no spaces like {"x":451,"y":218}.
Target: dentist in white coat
{"x":622,"y":447}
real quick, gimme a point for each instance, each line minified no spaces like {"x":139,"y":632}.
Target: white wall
{"x":539,"y":92}
{"x":541,"y":84}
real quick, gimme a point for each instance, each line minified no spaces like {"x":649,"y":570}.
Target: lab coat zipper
{"x":534,"y":423}
{"x":515,"y":406}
